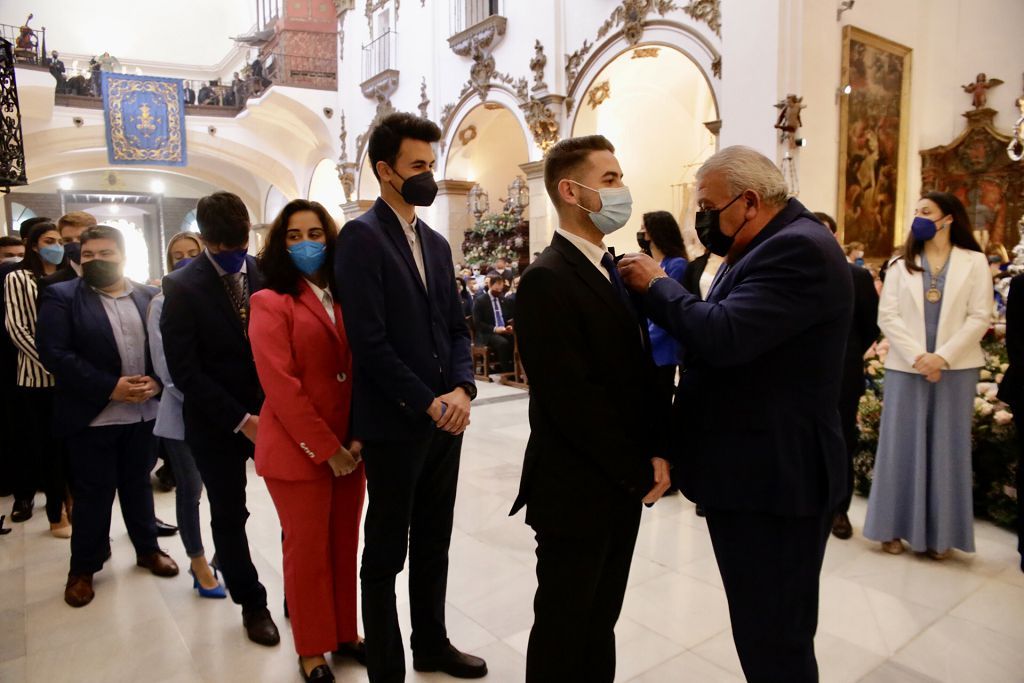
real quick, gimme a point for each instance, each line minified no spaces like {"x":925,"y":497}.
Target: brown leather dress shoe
{"x":260,"y":628}
{"x":78,"y":592}
{"x":841,"y":527}
{"x":159,"y":563}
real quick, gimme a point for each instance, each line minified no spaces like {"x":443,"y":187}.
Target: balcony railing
{"x":380,"y":55}
{"x":29,"y":47}
{"x":302,"y":72}
{"x":468,"y":13}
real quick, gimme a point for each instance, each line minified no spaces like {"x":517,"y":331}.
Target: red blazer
{"x":305,"y":367}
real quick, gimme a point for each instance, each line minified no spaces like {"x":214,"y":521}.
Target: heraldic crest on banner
{"x":145,"y":119}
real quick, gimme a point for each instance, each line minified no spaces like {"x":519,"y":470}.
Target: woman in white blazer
{"x":935,"y":307}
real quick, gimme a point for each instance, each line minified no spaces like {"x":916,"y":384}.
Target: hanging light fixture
{"x":518,"y":196}
{"x":478,"y":202}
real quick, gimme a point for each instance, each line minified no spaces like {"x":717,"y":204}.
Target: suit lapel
{"x":915,"y":284}
{"x":586,"y":270}
{"x":97,"y":315}
{"x":393,"y":229}
{"x":959,"y":269}
{"x":309,"y":300}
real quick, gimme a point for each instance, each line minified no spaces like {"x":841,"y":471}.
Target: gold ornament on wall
{"x":646,"y":53}
{"x":598,"y":94}
{"x":467,"y":135}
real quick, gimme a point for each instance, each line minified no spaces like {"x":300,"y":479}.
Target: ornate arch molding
{"x":455,"y":114}
{"x":661,"y":32}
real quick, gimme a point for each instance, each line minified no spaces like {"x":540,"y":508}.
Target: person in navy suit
{"x":759,"y":443}
{"x":91,"y":335}
{"x":206,"y":342}
{"x":411,"y":393}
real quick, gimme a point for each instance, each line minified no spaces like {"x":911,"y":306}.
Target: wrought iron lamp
{"x":518,"y":196}
{"x":478,"y":202}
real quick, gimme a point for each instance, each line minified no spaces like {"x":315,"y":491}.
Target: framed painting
{"x":874,"y":116}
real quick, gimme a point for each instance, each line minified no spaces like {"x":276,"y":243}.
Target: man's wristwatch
{"x":653,"y":280}
{"x":470,"y":389}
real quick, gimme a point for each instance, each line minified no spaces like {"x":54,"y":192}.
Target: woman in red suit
{"x":314,"y":474}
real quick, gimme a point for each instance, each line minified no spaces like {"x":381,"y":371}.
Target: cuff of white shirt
{"x":242,"y":423}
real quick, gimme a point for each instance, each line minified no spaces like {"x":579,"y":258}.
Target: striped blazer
{"x":21,"y":293}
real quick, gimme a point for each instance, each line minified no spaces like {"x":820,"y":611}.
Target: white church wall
{"x":952,"y":41}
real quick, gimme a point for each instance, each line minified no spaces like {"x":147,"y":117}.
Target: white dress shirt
{"x":325,"y":298}
{"x":593,"y":252}
{"x":414,"y":243}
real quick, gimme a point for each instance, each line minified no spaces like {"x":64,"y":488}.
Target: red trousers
{"x":320,"y":519}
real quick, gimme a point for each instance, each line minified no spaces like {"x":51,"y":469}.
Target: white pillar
{"x":543,"y":219}
{"x":451,"y":213}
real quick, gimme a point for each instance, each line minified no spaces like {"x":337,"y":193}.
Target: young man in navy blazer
{"x":91,"y":335}
{"x":205,"y":330}
{"x":412,"y":386}
{"x":758,"y":438}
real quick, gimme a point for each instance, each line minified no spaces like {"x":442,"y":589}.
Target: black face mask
{"x":101,"y":274}
{"x":73,"y":250}
{"x":418,"y":190}
{"x":645,"y":244}
{"x":709,"y":232}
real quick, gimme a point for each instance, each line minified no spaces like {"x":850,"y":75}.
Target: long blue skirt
{"x":921,"y":491}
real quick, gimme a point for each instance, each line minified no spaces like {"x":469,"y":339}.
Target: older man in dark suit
{"x":412,"y":386}
{"x":759,"y":442}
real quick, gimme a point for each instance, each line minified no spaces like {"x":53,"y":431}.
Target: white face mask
{"x":11,"y":259}
{"x":616,"y":208}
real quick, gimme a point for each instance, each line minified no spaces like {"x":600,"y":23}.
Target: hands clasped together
{"x":135,"y":389}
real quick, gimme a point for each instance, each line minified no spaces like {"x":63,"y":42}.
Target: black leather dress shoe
{"x":452,"y":662}
{"x":841,"y":527}
{"x":260,"y":628}
{"x":165,"y":529}
{"x":320,"y":674}
{"x":22,"y":510}
{"x":3,"y":531}
{"x":356,"y":651}
{"x":165,"y":478}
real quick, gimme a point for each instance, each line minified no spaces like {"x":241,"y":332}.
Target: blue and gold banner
{"x":145,"y":118}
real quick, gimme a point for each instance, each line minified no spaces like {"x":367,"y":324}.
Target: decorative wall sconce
{"x":518,"y":196}
{"x":478,"y":202}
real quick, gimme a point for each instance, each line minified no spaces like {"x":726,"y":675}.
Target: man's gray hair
{"x":747,"y":169}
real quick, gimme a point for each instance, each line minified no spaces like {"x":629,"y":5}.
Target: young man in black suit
{"x":493,"y":322}
{"x":205,"y":330}
{"x":594,"y":452}
{"x":759,"y":444}
{"x":863,"y":333}
{"x":412,"y":385}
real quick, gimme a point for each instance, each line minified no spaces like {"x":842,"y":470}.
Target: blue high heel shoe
{"x":216,"y":593}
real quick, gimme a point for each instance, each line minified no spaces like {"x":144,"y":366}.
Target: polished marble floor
{"x":884,"y":619}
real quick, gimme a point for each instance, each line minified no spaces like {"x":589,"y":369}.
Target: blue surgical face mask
{"x":230,"y":261}
{"x":308,"y":256}
{"x":52,"y":253}
{"x":923,"y":228}
{"x":182,"y":263}
{"x":858,"y":262}
{"x":616,"y":208}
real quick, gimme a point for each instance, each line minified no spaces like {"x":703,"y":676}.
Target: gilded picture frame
{"x":874,"y":120}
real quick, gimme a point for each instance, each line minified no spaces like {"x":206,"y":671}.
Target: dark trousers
{"x":44,"y":455}
{"x":503,"y":349}
{"x":105,"y":461}
{"x":771,"y":567}
{"x":1018,"y":420}
{"x":581,"y":582}
{"x":221,"y":462}
{"x":411,"y":485}
{"x":849,"y":404}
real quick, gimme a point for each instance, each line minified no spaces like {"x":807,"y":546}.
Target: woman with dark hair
{"x":170,"y":426}
{"x":936,"y":305}
{"x":464,"y":296}
{"x":40,"y":457}
{"x":303,"y":450}
{"x":660,"y":237}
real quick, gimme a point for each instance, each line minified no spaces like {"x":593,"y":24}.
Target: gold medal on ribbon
{"x":933,"y":295}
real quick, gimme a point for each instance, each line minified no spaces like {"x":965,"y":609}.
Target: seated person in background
{"x":504,"y":270}
{"x":207,"y":95}
{"x":493,"y":326}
